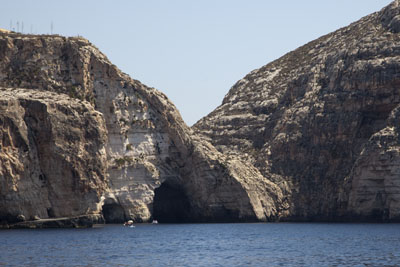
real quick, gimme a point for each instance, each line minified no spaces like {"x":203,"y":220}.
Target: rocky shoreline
{"x":84,"y":221}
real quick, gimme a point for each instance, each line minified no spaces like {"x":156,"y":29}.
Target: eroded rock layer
{"x":148,"y":146}
{"x":317,"y":122}
{"x":53,"y":158}
{"x":311,"y":136}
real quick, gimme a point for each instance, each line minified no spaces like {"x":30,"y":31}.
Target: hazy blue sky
{"x":193,"y":51}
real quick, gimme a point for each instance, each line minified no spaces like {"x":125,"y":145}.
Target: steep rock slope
{"x":53,"y":161}
{"x":317,"y":122}
{"x":149,"y":148}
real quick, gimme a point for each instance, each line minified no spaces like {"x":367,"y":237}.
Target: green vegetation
{"x":90,"y":98}
{"x":122,"y":161}
{"x":73,"y":92}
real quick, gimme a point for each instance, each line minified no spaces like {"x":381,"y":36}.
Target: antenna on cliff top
{"x":51,"y":27}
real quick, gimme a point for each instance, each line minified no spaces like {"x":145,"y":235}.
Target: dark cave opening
{"x":171,"y":205}
{"x":113,"y":213}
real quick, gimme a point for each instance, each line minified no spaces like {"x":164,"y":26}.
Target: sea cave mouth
{"x":113,"y":213}
{"x":171,"y":204}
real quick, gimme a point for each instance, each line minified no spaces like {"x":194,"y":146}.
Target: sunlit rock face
{"x":319,"y":122}
{"x":53,"y":159}
{"x":310,"y":136}
{"x":147,"y":144}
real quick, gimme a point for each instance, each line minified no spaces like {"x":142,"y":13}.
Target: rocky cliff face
{"x":53,"y":158}
{"x":321,"y":122}
{"x":310,"y":136}
{"x":155,"y":166}
{"x":374,"y":181}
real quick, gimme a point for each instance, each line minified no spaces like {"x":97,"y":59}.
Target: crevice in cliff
{"x":113,"y":213}
{"x":171,"y":205}
{"x":50,"y":213}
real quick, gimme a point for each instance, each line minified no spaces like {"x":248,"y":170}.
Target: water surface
{"x":270,"y":244}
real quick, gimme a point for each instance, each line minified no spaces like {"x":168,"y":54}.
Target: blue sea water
{"x":260,"y":244}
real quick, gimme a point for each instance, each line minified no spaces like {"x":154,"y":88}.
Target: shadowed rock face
{"x":171,"y":205}
{"x":318,"y":122}
{"x":374,"y":182}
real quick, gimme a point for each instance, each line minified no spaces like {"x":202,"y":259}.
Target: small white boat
{"x":129,"y":223}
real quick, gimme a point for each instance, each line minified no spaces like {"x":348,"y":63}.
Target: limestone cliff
{"x":311,"y":136}
{"x":53,"y":157}
{"x":374,"y":182}
{"x":156,"y":166}
{"x":321,"y":122}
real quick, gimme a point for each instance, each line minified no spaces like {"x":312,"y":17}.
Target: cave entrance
{"x":170,"y":205}
{"x":113,"y":213}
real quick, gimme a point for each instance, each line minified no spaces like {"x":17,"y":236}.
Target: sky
{"x":193,"y":51}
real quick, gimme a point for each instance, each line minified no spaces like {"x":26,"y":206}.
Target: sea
{"x":256,"y":244}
